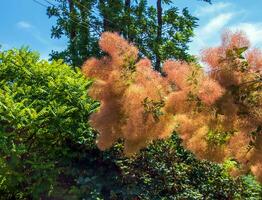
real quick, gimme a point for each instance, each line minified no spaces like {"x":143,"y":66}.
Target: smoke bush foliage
{"x":217,"y":114}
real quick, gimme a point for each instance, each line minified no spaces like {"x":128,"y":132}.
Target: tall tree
{"x":166,"y":34}
{"x":159,"y":33}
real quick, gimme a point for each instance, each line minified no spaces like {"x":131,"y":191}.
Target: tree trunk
{"x":103,"y":10}
{"x":127,"y":3}
{"x":127,"y":19}
{"x":159,"y":33}
{"x":84,"y":32}
{"x":72,"y":14}
{"x":72,"y":32}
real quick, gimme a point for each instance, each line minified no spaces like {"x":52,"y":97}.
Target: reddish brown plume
{"x":217,"y":114}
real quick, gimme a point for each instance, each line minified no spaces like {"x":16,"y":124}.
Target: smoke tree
{"x":217,"y":114}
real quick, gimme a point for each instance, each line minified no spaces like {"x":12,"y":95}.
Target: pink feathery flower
{"x":254,"y":58}
{"x":177,"y":72}
{"x":210,"y":91}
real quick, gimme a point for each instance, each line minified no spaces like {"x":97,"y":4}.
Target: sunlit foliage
{"x":43,"y":112}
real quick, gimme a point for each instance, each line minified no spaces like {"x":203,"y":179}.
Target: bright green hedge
{"x":48,"y":151}
{"x":44,"y":109}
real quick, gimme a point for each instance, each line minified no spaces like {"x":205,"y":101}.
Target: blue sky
{"x":25,"y":23}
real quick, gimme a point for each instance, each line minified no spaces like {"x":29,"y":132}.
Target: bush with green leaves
{"x":44,"y":110}
{"x":162,"y":171}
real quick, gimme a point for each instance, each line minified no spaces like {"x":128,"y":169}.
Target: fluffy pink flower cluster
{"x":213,"y":112}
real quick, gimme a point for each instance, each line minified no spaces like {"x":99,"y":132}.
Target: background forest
{"x":76,"y":126}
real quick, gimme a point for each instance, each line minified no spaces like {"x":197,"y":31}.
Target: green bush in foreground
{"x":48,"y":151}
{"x":43,"y":110}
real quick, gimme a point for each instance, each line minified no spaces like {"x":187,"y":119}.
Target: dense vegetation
{"x":48,"y":150}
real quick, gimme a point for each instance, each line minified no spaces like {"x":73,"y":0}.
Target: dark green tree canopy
{"x":159,"y":33}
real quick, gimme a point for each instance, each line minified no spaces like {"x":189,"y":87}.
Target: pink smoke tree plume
{"x":217,"y":114}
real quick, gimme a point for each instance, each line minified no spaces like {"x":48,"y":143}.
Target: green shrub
{"x":163,"y":171}
{"x":44,"y":109}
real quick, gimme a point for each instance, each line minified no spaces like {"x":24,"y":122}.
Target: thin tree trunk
{"x":72,"y":32}
{"x":127,"y":3}
{"x":127,"y":19}
{"x":84,"y":31}
{"x":103,"y":4}
{"x":159,"y":33}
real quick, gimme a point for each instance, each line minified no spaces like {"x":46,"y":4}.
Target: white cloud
{"x":24,"y":25}
{"x":253,"y":31}
{"x":212,"y":8}
{"x":209,"y":34}
{"x":34,"y":32}
{"x":216,"y":18}
{"x":217,"y":23}
{"x":46,"y":45}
